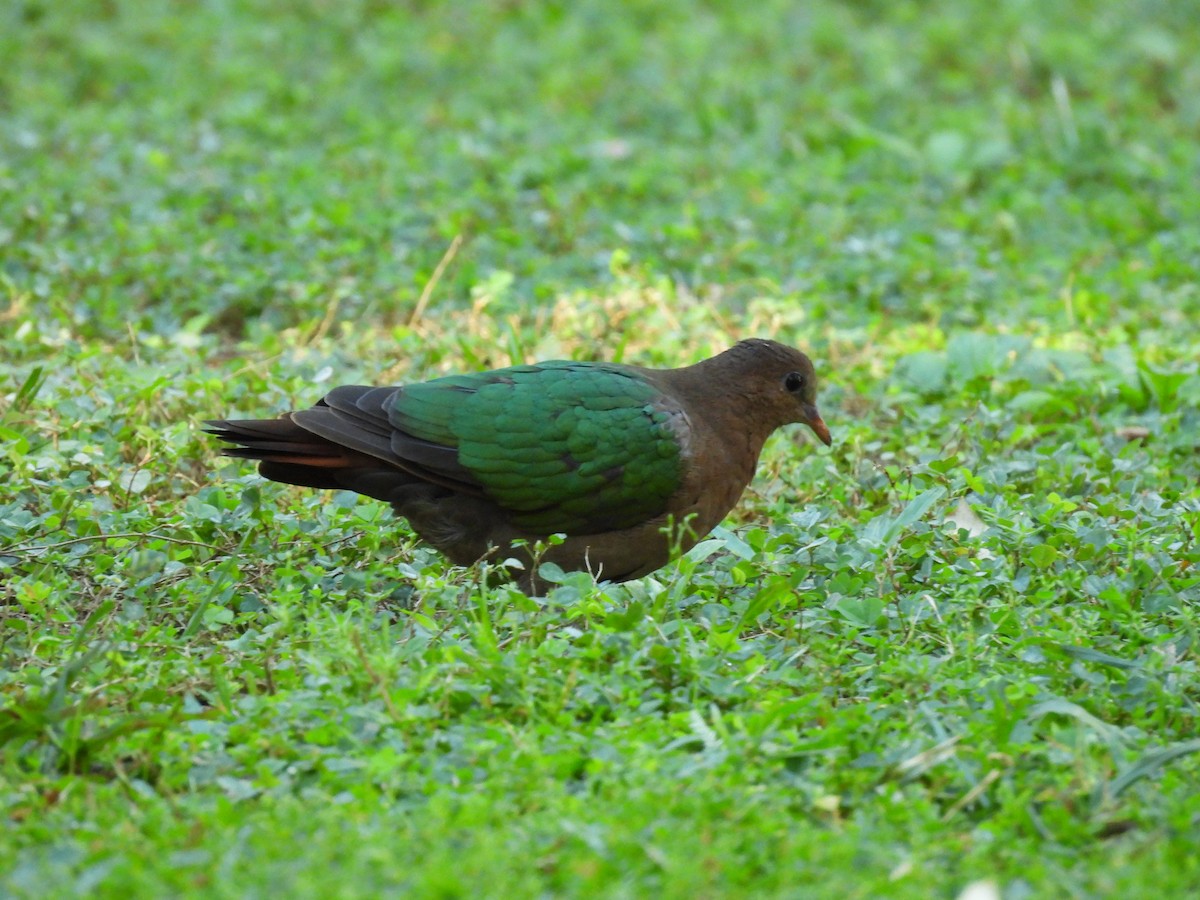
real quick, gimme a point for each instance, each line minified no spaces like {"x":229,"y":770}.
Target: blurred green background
{"x":243,"y":161}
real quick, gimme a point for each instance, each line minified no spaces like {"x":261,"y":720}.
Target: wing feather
{"x":563,"y":446}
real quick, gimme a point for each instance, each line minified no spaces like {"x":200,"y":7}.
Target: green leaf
{"x":1148,"y":764}
{"x":1162,"y":385}
{"x":1043,"y":556}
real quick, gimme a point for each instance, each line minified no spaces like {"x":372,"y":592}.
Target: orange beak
{"x":817,"y":424}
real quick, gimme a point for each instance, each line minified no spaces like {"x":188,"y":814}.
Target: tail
{"x":285,"y":451}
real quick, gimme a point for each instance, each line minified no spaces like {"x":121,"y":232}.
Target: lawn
{"x":959,"y":646}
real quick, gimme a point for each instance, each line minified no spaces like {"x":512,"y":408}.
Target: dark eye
{"x":793,"y":382}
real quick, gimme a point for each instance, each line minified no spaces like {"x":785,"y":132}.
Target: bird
{"x":631,"y":464}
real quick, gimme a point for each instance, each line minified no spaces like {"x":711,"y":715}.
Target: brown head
{"x":777,"y":382}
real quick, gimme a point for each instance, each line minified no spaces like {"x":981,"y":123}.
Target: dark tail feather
{"x":289,"y":454}
{"x":285,"y":451}
{"x":324,"y":479}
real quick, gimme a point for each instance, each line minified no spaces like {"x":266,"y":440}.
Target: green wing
{"x":563,"y":446}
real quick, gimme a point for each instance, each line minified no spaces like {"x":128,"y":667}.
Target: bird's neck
{"x":716,"y":394}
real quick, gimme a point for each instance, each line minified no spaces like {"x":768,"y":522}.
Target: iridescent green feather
{"x":563,"y":446}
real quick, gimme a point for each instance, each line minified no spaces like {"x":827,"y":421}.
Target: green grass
{"x":960,"y":646}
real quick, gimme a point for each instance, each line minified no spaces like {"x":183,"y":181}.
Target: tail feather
{"x":290,"y":454}
{"x":280,"y":441}
{"x":321,"y":478}
{"x":330,"y":451}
